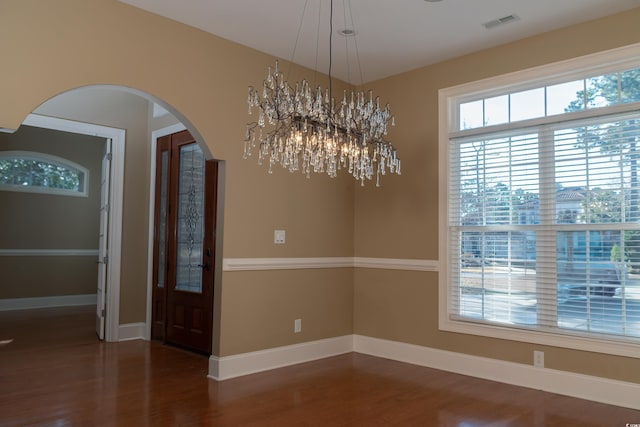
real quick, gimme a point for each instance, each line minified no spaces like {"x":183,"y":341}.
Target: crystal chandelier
{"x":306,"y":129}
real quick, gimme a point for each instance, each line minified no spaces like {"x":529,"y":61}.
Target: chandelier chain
{"x":330,"y":48}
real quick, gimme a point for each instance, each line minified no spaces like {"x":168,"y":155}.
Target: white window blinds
{"x":544,"y":227}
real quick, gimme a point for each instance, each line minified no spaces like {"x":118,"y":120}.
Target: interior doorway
{"x":132,"y":114}
{"x":185,"y":200}
{"x":108,"y":282}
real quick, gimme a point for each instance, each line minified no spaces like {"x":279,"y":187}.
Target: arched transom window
{"x":35,"y":172}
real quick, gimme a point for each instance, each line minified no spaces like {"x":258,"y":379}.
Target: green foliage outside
{"x":496,"y":203}
{"x":35,"y":173}
{"x":619,"y":139}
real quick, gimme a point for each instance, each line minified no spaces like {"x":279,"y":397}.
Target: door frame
{"x":178,"y":127}
{"x":114,"y":242}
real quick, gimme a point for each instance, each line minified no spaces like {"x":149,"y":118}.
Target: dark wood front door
{"x":184,"y":251}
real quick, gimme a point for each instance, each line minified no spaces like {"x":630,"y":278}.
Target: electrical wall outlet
{"x":538,"y":359}
{"x":297,"y":326}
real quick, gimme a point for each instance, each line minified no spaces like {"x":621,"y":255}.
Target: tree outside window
{"x":43,"y":173}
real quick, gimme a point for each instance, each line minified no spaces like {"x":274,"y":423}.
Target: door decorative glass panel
{"x":162,"y":219}
{"x":190,"y":219}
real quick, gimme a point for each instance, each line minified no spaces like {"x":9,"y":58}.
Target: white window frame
{"x":627,"y":57}
{"x":83,"y":191}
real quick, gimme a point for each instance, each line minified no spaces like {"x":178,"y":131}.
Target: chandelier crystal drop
{"x":306,"y":129}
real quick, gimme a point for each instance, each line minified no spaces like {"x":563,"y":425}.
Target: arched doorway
{"x":132,"y":111}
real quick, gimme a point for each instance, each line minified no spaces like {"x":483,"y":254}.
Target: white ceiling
{"x":392,"y":36}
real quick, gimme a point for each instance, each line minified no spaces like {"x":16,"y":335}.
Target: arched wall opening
{"x":142,"y":118}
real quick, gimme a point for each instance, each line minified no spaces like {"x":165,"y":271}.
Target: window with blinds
{"x":543,"y":208}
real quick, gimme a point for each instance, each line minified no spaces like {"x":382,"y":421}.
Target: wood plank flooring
{"x":55,"y":373}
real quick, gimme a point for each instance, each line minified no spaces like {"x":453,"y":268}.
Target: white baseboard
{"x":132,"y":331}
{"x":612,"y":392}
{"x":9,"y":304}
{"x":223,"y":368}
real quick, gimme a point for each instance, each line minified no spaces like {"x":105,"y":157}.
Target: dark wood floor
{"x":55,"y":373}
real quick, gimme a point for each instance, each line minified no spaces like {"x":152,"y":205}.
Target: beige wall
{"x":47,"y":276}
{"x":204,"y":79}
{"x":403,"y":306}
{"x":268,"y":302}
{"x":69,"y":223}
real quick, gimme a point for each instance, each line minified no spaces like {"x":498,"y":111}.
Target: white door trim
{"x":178,"y":127}
{"x":115,"y":205}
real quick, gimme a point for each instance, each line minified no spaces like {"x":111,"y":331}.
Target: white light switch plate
{"x":279,"y":237}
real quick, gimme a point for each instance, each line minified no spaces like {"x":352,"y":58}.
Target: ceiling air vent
{"x":501,"y":21}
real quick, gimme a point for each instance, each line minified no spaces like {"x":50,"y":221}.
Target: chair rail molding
{"x":253,"y":264}
{"x":48,"y":252}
